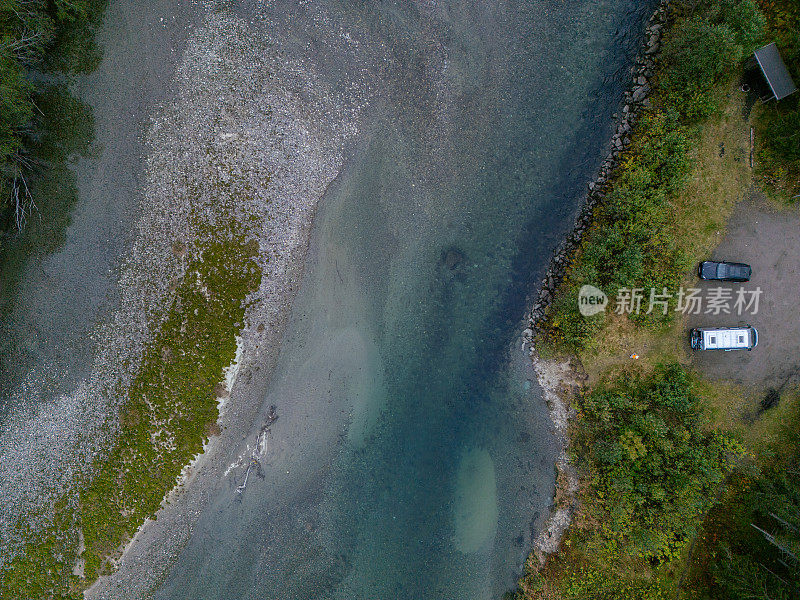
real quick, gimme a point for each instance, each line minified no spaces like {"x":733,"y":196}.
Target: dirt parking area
{"x":767,"y":238}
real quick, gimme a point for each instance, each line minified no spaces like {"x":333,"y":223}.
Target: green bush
{"x":703,"y":51}
{"x":745,"y":20}
{"x":573,"y":328}
{"x":695,"y":58}
{"x":651,"y":462}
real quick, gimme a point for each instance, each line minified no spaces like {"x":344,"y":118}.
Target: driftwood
{"x":254,"y":464}
{"x":21,"y":197}
{"x":272,"y":416}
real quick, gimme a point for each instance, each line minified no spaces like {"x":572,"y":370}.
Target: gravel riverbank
{"x":63,"y":321}
{"x":247,"y":117}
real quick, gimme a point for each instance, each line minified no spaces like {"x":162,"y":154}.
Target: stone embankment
{"x":636,"y":99}
{"x":559,"y":379}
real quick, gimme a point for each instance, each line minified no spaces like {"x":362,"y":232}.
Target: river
{"x":413,"y":456}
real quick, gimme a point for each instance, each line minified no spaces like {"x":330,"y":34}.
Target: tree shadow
{"x":65,"y":130}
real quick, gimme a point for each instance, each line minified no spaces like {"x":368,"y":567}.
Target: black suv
{"x":724,"y":271}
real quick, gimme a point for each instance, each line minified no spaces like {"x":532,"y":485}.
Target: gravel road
{"x":768,"y":239}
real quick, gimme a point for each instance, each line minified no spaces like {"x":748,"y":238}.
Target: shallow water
{"x":413,"y":456}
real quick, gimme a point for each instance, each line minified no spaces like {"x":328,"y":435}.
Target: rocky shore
{"x":560,"y":380}
{"x":636,"y":100}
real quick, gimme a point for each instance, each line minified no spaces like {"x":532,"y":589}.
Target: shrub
{"x":650,"y":460}
{"x":703,"y":51}
{"x":568,"y":325}
{"x":745,"y":20}
{"x":695,"y":58}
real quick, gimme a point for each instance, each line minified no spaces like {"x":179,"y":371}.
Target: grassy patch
{"x":775,"y":425}
{"x":172,"y":399}
{"x":620,"y":338}
{"x":171,"y":405}
{"x":719,"y":179}
{"x":728,"y":405}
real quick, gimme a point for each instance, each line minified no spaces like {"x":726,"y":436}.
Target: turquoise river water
{"x":413,"y":457}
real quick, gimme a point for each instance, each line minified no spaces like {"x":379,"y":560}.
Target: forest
{"x":41,"y":41}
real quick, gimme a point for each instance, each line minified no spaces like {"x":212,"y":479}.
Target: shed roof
{"x":775,"y":72}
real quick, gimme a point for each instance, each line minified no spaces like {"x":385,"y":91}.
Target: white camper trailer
{"x":724,"y":338}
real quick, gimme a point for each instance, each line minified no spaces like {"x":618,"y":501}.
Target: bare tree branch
{"x":21,"y":197}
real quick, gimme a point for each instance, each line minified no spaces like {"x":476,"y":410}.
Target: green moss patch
{"x":172,"y":407}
